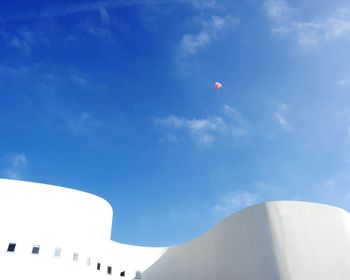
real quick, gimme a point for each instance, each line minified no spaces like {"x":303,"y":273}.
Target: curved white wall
{"x":238,"y":248}
{"x":74,"y":221}
{"x":311,"y":241}
{"x":271,"y":241}
{"x":44,"y":212}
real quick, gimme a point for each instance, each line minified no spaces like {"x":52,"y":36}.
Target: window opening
{"x":57,"y":252}
{"x":98,"y":266}
{"x":11,"y":247}
{"x":122,"y":274}
{"x":35,"y":249}
{"x":109,"y":270}
{"x":138,"y":274}
{"x":75,"y":256}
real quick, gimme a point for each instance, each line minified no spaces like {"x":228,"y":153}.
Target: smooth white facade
{"x":71,"y":231}
{"x":270,"y":241}
{"x":75,"y":223}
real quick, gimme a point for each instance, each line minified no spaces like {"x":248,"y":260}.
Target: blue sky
{"x":117,"y":98}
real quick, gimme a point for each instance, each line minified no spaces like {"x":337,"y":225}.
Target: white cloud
{"x":15,"y":72}
{"x":79,"y":79}
{"x":101,"y":7}
{"x":233,"y":113}
{"x":201,"y":130}
{"x":63,"y":10}
{"x":100,"y":32}
{"x":171,"y":121}
{"x":277,"y":9}
{"x":236,"y":125}
{"x":16,"y":164}
{"x":81,"y":123}
{"x":330,"y":184}
{"x":233,"y":201}
{"x":204,"y":4}
{"x":205,"y":131}
{"x":191,"y":43}
{"x":74,"y":123}
{"x":308,"y":33}
{"x":169,"y":137}
{"x":343,"y":82}
{"x":312,"y":33}
{"x":280,"y":116}
{"x":200,"y":125}
{"x":22,"y":41}
{"x":104,"y":15}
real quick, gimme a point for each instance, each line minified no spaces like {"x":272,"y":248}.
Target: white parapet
{"x":50,"y":232}
{"x":39,"y":211}
{"x":272,"y":241}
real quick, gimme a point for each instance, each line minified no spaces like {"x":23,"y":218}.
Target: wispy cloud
{"x":82,"y":79}
{"x":15,"y":166}
{"x":343,"y":82}
{"x":101,"y":7}
{"x":80,"y":123}
{"x":14,"y":72}
{"x":233,"y":201}
{"x":280,"y":116}
{"x":75,"y":123}
{"x":104,"y":15}
{"x":204,"y":131}
{"x":64,"y":10}
{"x":49,"y":84}
{"x":201,"y":130}
{"x":23,"y":40}
{"x":103,"y":29}
{"x":204,"y":4}
{"x":257,"y":192}
{"x":191,"y":43}
{"x":100,"y":32}
{"x":43,"y":78}
{"x":277,"y":9}
{"x":330,"y":184}
{"x":307,"y":33}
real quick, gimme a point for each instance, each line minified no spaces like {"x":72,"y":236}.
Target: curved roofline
{"x":279,"y":201}
{"x":223,"y":220}
{"x":229,"y":216}
{"x":68,"y":189}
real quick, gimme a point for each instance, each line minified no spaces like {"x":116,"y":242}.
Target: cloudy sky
{"x":117,"y":98}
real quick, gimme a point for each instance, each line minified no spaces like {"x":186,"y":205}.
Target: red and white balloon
{"x":217,"y":85}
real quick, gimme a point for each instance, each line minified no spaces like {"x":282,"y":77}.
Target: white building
{"x":49,"y":232}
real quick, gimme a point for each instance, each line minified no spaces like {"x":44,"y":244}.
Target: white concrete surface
{"x":50,"y":212}
{"x":74,"y":221}
{"x":284,"y":240}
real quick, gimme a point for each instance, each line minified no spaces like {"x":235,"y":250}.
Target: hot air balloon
{"x":217,"y":85}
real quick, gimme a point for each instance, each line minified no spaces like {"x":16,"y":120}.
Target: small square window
{"x":35,"y":249}
{"x":109,"y":270}
{"x":138,"y":274}
{"x":98,"y":266}
{"x":57,"y":252}
{"x":11,"y":247}
{"x":122,"y":274}
{"x":75,"y":256}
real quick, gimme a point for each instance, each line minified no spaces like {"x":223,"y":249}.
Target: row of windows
{"x":57,"y":253}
